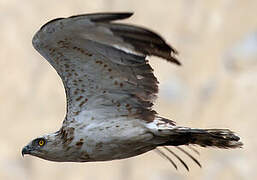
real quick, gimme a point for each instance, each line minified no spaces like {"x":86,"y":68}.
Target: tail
{"x":221,"y":138}
{"x":177,"y":136}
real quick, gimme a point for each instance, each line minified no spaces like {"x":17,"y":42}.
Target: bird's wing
{"x":102,"y":64}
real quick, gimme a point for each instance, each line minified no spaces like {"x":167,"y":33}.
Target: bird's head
{"x":47,"y":147}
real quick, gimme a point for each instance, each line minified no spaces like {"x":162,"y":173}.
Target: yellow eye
{"x":41,"y":142}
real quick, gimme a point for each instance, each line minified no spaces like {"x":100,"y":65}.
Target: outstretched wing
{"x":102,"y":64}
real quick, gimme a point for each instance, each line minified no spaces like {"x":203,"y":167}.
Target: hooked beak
{"x":25,"y":150}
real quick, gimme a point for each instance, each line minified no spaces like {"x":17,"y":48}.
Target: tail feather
{"x":221,"y":138}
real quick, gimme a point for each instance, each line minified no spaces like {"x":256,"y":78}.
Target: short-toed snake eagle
{"x":110,"y":88}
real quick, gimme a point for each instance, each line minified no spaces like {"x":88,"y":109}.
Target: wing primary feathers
{"x":144,"y":41}
{"x":174,"y":154}
{"x":105,"y":17}
{"x":125,"y":30}
{"x":189,"y":155}
{"x":162,"y":154}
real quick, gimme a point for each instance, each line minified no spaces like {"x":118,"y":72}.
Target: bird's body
{"x":102,"y":141}
{"x":110,"y":89}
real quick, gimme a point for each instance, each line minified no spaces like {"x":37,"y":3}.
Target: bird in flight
{"x":110,"y":89}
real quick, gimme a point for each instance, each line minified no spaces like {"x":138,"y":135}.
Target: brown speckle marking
{"x":83,"y":102}
{"x":71,"y":130}
{"x":79,"y":144}
{"x":79,"y":98}
{"x":84,"y":156}
{"x":109,"y":69}
{"x":115,"y":83}
{"x":76,"y":113}
{"x":105,"y":65}
{"x":121,"y":84}
{"x":67,"y":135}
{"x":99,"y":62}
{"x":129,"y":109}
{"x":99,"y":145}
{"x":82,"y":51}
{"x":64,"y":44}
{"x":76,"y":92}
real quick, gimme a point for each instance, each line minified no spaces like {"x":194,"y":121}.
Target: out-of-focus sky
{"x":215,"y":88}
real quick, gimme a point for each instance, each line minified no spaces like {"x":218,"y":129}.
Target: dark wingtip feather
{"x":144,"y":41}
{"x":105,"y":17}
{"x":174,"y":154}
{"x":162,"y":154}
{"x":193,"y":149}
{"x":189,"y":155}
{"x":174,"y":60}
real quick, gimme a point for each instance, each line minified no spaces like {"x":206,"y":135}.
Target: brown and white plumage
{"x":110,"y":88}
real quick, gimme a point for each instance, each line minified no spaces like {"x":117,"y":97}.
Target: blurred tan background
{"x":215,"y":87}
